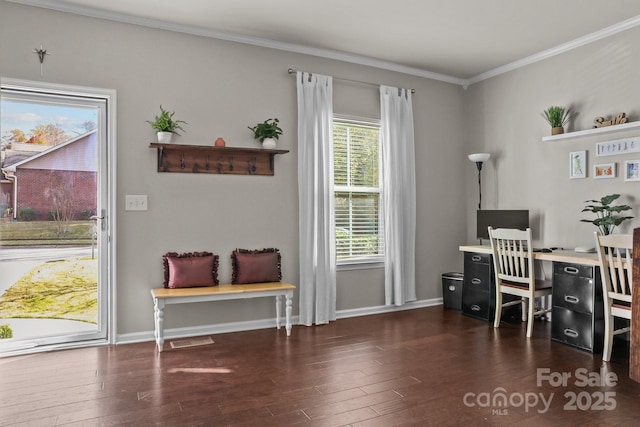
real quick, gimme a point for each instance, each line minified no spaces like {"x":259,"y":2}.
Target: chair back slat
{"x":512,"y":250}
{"x":616,"y":262}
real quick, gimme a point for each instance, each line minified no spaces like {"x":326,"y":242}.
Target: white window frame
{"x":372,"y":261}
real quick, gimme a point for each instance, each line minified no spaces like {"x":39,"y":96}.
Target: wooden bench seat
{"x":164,"y":296}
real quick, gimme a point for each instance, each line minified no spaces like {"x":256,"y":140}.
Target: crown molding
{"x":62,"y":6}
{"x":565,"y":47}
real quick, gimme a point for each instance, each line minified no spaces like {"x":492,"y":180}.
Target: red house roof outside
{"x":78,"y":154}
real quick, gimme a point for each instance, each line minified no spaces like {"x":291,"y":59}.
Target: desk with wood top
{"x":572,"y":257}
{"x":577,"y":310}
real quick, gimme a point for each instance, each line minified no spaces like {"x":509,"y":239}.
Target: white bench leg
{"x":278,"y":310}
{"x":288,"y":314}
{"x":158,"y":314}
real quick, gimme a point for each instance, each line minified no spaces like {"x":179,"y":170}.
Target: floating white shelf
{"x":594,"y":131}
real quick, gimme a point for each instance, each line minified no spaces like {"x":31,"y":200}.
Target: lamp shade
{"x":479,"y":157}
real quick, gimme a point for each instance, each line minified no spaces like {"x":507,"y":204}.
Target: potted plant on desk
{"x":165,"y":125}
{"x":607,"y":216}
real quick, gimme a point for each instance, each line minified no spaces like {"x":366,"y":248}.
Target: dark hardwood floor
{"x":419,"y":367}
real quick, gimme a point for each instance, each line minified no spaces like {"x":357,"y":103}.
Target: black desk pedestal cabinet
{"x":577,"y":316}
{"x":479,"y":289}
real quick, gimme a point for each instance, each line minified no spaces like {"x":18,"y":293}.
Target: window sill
{"x":359,"y":265}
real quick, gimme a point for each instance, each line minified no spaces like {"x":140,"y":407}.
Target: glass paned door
{"x":53,"y":239}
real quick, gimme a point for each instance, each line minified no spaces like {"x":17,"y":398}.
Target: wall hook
{"x":41,"y":54}
{"x":215,"y":160}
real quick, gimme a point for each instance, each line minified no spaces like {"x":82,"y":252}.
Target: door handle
{"x":103,"y":224}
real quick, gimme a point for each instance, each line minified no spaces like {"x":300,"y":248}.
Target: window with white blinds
{"x":358,"y":188}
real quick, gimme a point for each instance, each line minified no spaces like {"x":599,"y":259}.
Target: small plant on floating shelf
{"x":556,"y":116}
{"x":608,"y":217}
{"x":267,"y":129}
{"x":166,"y":123}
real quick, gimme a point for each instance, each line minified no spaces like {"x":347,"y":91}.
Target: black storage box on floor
{"x":452,"y":290}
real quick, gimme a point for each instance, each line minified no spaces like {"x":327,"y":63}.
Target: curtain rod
{"x":292,"y":71}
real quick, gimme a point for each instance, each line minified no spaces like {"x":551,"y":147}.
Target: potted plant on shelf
{"x":557,"y":117}
{"x":165,"y":125}
{"x":608,"y":217}
{"x":268,"y":132}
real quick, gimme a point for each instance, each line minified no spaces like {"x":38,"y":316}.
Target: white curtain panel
{"x":316,"y":199}
{"x":399,"y":195}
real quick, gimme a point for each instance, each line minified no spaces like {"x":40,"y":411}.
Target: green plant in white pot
{"x":165,"y":125}
{"x":268,"y":132}
{"x":557,"y":117}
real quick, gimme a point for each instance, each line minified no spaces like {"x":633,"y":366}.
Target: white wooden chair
{"x":515,"y":275}
{"x":614,"y":254}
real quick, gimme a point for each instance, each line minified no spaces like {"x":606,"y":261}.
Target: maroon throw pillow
{"x":255,"y":266}
{"x":190,"y":269}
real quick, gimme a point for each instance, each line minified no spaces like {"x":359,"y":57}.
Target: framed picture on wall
{"x":632,"y":170}
{"x":619,"y":146}
{"x":604,"y":170}
{"x":578,"y":164}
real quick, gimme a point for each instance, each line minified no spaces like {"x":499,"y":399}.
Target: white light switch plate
{"x":135,"y":202}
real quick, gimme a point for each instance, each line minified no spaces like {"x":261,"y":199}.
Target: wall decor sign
{"x":632,"y":170}
{"x":604,"y":170}
{"x":619,"y":146}
{"x":578,"y":164}
{"x":617,"y":120}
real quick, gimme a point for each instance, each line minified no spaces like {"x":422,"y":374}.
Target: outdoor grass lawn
{"x":66,"y":289}
{"x":29,"y":233}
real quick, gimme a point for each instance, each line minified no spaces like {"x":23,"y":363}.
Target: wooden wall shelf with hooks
{"x":217,"y":160}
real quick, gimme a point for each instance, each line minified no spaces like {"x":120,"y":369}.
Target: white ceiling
{"x":461,"y":41}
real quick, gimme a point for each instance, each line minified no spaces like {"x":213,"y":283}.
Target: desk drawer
{"x":477,"y":258}
{"x":482,"y":305}
{"x":478,"y":272}
{"x":576,"y":329}
{"x":573,"y":270}
{"x":574,"y":293}
{"x":478,"y":278}
{"x":477,"y":304}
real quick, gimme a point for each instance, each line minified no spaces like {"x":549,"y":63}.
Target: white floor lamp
{"x":479,"y":159}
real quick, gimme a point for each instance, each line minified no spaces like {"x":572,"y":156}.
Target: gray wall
{"x":220,"y":88}
{"x":599,"y":79}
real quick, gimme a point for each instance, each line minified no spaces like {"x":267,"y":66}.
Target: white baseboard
{"x":367,"y":311}
{"x":222,"y":328}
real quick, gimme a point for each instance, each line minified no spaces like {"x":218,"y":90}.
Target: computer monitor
{"x":501,"y":218}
